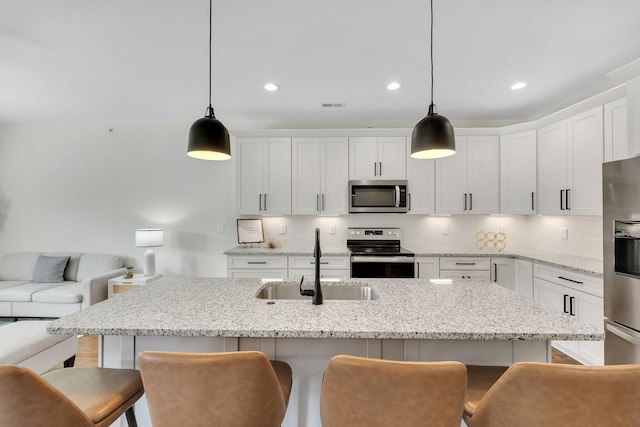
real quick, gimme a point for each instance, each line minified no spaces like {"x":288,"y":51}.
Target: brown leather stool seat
{"x":234,"y":389}
{"x":554,"y":395}
{"x":358,"y":391}
{"x":71,"y":397}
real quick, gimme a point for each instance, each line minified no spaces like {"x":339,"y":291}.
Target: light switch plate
{"x":332,"y":229}
{"x":445,"y":230}
{"x":564,"y":233}
{"x":283,"y":228}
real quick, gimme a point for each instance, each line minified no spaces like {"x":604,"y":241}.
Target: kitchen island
{"x":473,"y":322}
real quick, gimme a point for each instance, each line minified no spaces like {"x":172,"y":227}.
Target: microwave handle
{"x":397,"y":196}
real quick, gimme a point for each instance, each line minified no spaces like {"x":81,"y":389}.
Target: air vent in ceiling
{"x":333,"y":105}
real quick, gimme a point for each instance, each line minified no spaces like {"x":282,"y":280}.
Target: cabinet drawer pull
{"x":571,"y":280}
{"x":260,"y":203}
{"x":470,"y":201}
{"x":465,"y":263}
{"x":566,"y":199}
{"x":564,"y":310}
{"x":465,"y":201}
{"x":417,"y":274}
{"x":265,"y":201}
{"x":561,"y":200}
{"x":495,"y":272}
{"x":321,"y":262}
{"x":322,"y":201}
{"x":317,"y":202}
{"x":256,"y":262}
{"x":375,"y":168}
{"x":571,"y":306}
{"x":532,"y":199}
{"x":380,"y":168}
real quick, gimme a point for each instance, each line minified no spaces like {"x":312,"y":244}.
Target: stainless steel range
{"x":376,"y":253}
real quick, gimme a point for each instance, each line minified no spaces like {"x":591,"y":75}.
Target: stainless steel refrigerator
{"x":621,"y":233}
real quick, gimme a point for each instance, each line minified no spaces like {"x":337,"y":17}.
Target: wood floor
{"x":88,"y":353}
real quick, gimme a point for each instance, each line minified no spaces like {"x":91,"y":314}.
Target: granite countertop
{"x":592,"y":267}
{"x":405,"y":309}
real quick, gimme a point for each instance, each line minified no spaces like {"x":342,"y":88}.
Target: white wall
{"x":85,"y":188}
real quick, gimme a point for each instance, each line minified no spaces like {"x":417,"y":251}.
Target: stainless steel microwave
{"x":378,"y":196}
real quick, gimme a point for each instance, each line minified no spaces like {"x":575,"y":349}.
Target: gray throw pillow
{"x":50,"y":269}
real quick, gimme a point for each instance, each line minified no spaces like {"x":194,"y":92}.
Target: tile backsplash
{"x":583,"y":233}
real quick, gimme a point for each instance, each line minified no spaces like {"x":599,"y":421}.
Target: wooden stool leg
{"x":131,"y":417}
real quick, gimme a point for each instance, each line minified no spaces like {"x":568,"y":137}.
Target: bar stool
{"x":358,"y":391}
{"x":70,"y":397}
{"x":234,"y":389}
{"x":554,"y":395}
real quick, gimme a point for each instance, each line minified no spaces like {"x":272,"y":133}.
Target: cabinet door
{"x":552,"y":168}
{"x":427,"y":267}
{"x":363,"y":158}
{"x":334,"y":186}
{"x":503,"y":272}
{"x":421,"y":175}
{"x":584,"y":171}
{"x":277,"y":197}
{"x":483,"y":174}
{"x":305,"y":176}
{"x":518,"y":173}
{"x":590,"y":309}
{"x":250,"y":175}
{"x":523,"y":278}
{"x":615,"y":130}
{"x":451,"y":181}
{"x":392,"y":158}
{"x":550,"y":295}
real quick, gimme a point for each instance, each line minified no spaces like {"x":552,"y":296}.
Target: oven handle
{"x":380,"y":259}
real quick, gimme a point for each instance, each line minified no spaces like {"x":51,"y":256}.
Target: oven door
{"x":387,"y":267}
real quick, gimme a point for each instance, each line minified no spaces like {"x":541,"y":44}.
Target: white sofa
{"x":84,"y":284}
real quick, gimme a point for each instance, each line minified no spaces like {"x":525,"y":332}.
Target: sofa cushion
{"x":4,"y":284}
{"x":72,"y":266}
{"x":18,"y":265}
{"x":50,"y":269}
{"x":66,"y":294}
{"x":21,"y":340}
{"x":94,"y":264}
{"x":24,"y":292}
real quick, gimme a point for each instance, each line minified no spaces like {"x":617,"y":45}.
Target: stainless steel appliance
{"x":621,"y":233}
{"x":378,"y":196}
{"x":376,"y":253}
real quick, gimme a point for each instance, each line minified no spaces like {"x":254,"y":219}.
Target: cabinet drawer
{"x":471,"y":263}
{"x":582,"y":282}
{"x":466,"y":274}
{"x":260,"y":262}
{"x":335,"y":262}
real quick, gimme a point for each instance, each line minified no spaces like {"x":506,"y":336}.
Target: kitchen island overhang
{"x":473,"y":322}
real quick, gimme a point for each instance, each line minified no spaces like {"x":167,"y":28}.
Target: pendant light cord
{"x":210,"y":108}
{"x":431,"y":38}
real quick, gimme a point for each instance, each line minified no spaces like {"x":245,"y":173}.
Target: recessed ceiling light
{"x":518,"y":85}
{"x":271,"y":87}
{"x":393,"y":86}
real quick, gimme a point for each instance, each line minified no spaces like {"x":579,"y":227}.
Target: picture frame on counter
{"x":250,"y":231}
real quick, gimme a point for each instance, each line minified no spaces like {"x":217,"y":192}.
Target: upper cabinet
{"x":570,"y":155}
{"x":518,"y":173}
{"x":263,"y":176}
{"x":373,"y":158}
{"x":616,"y":144}
{"x":320,"y":174}
{"x":468,"y":181}
{"x":421,"y":174}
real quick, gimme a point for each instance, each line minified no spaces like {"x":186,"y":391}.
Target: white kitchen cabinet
{"x":427,"y":267}
{"x":263,"y":176}
{"x":476,"y":268}
{"x":523,"y":278}
{"x":616,"y":143}
{"x":260,"y":267}
{"x":469,"y":181}
{"x":518,"y":173}
{"x":570,"y":155}
{"x":421,"y":174}
{"x":320,"y":175}
{"x":502,"y":272}
{"x":374,"y":158}
{"x":576,"y":295}
{"x":331,"y":267}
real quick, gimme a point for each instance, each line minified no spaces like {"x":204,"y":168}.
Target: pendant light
{"x":433,"y":136}
{"x":208,"y":138}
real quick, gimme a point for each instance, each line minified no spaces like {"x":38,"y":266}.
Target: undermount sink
{"x":334,"y":291}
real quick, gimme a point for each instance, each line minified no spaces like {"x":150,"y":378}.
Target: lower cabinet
{"x":427,"y":267}
{"x":523,"y":278}
{"x":551,"y":291}
{"x":259,"y":267}
{"x":502,"y":272}
{"x":475,"y":268}
{"x":331,"y":268}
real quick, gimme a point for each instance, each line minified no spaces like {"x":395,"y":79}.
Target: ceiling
{"x":147,"y":60}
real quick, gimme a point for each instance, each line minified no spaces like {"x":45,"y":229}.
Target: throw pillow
{"x":50,"y":269}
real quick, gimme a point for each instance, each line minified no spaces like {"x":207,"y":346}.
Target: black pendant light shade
{"x":208,"y":138}
{"x":433,"y":136}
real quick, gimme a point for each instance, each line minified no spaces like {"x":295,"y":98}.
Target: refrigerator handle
{"x":624,"y":333}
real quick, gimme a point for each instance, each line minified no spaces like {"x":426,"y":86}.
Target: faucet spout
{"x":317,"y":296}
